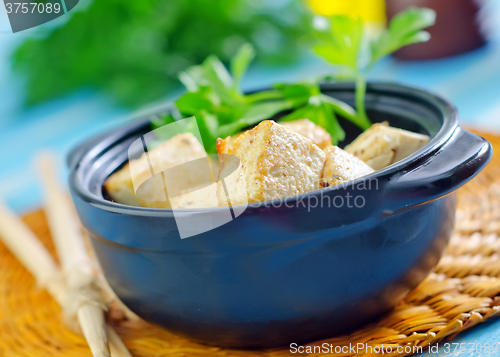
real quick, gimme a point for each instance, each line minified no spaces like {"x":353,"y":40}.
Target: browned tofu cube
{"x":382,"y":145}
{"x":274,"y":162}
{"x":340,"y":167}
{"x":140,"y":183}
{"x":317,"y":134}
{"x":304,"y":127}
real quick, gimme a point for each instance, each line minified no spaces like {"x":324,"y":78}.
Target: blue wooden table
{"x":471,"y":81}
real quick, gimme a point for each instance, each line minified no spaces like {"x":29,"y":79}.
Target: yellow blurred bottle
{"x":367,"y":10}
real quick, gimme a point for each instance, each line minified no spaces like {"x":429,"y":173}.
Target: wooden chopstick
{"x":78,"y":274}
{"x":75,"y":263}
{"x":18,"y":238}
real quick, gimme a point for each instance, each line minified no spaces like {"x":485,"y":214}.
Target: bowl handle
{"x":463,"y":156}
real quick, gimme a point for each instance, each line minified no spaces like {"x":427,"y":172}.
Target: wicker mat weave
{"x":463,"y":291}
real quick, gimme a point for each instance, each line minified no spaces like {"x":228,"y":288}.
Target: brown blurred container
{"x":457,"y":28}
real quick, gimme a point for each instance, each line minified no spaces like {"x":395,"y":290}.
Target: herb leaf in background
{"x":240,"y":63}
{"x":214,"y":97}
{"x":343,"y":41}
{"x":132,"y":51}
{"x":406,"y":28}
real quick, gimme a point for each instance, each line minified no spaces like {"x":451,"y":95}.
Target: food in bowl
{"x":286,"y":270}
{"x":275,"y":163}
{"x":381,"y":145}
{"x":341,"y":167}
{"x":317,"y":134}
{"x":284,"y":160}
{"x":132,"y":184}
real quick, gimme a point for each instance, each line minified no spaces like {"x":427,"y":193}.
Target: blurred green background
{"x":132,"y":51}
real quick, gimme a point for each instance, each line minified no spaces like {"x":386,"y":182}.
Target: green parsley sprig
{"x":221,"y":109}
{"x":344,"y":42}
{"x":214,"y":97}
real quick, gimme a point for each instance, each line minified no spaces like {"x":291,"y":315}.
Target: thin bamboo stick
{"x":37,"y":260}
{"x":110,"y":294}
{"x":31,"y":253}
{"x":76,"y":266}
{"x":129,"y":314}
{"x":118,"y":348}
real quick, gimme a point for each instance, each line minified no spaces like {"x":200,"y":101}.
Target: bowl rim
{"x":445,"y":132}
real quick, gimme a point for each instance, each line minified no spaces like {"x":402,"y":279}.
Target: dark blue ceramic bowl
{"x":293,"y":273}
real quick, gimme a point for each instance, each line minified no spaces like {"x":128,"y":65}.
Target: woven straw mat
{"x":464,"y":290}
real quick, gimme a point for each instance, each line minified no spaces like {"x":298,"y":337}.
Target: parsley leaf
{"x":341,"y":41}
{"x":404,"y":29}
{"x":214,"y":97}
{"x":344,"y":41}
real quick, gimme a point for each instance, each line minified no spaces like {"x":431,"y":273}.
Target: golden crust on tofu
{"x":304,"y":127}
{"x":340,"y":166}
{"x":224,"y":146}
{"x":382,"y":145}
{"x":147,"y":180}
{"x":307,"y":128}
{"x":275,"y":162}
{"x":231,"y":181}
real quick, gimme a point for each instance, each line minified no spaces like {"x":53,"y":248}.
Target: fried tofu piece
{"x":139,"y":183}
{"x":274,"y":162}
{"x":304,"y":127}
{"x":205,"y":197}
{"x":382,"y":145}
{"x":340,"y":166}
{"x":120,"y":188}
{"x":307,"y":128}
{"x":231,"y":184}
